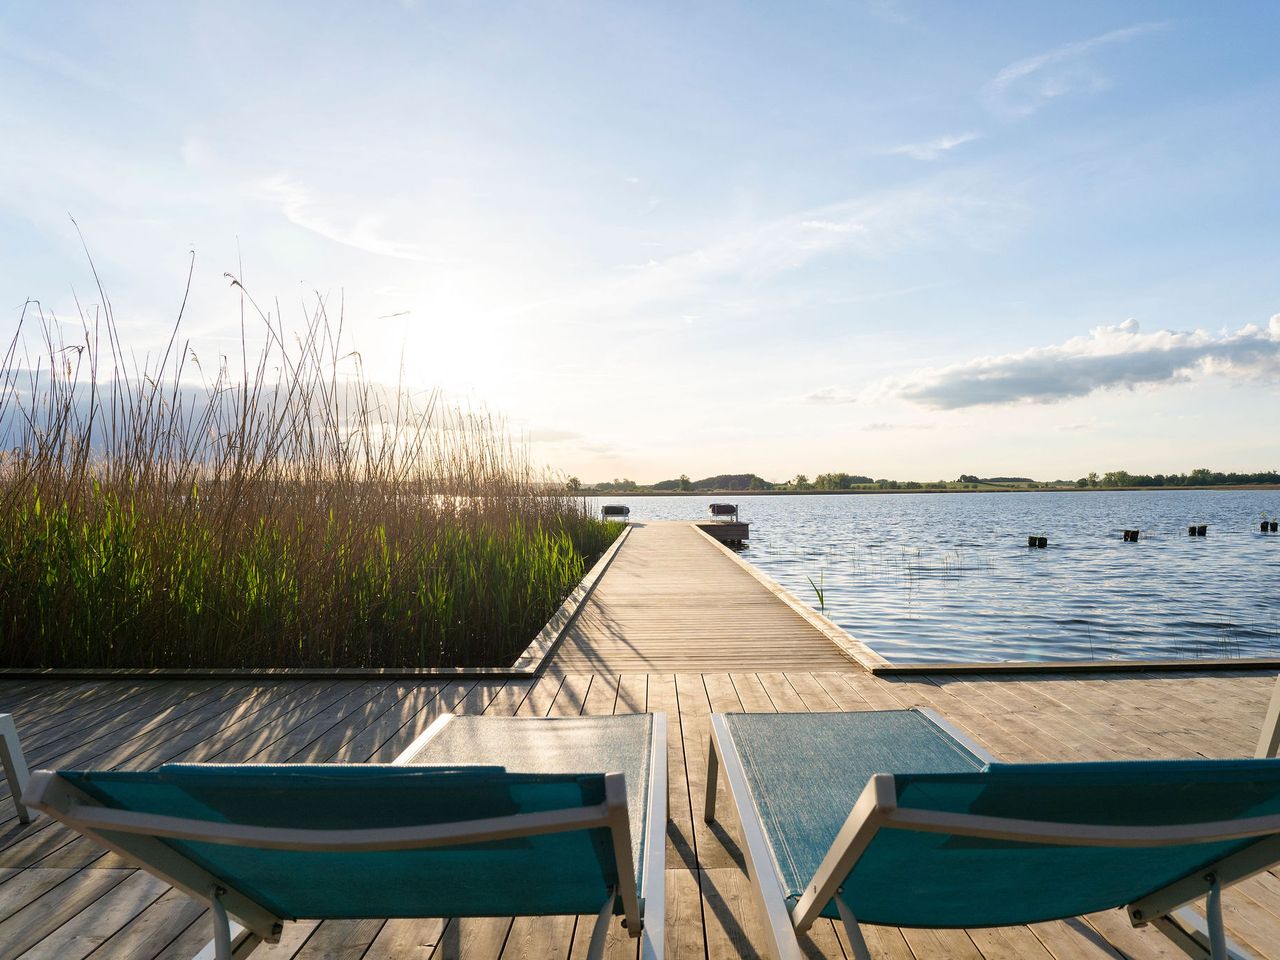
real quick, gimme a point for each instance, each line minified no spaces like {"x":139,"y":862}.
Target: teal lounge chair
{"x":479,"y":817}
{"x":896,"y":818}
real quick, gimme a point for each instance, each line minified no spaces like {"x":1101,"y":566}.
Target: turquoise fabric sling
{"x":605,"y":744}
{"x":908,"y":878}
{"x":564,"y":873}
{"x":805,"y":771}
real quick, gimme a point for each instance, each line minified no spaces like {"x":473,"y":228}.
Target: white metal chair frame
{"x":1269,"y":739}
{"x":876,"y":808}
{"x":254,"y":924}
{"x":15,"y":765}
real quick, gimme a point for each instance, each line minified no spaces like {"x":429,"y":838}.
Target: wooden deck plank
{"x":672,"y":603}
{"x":426,"y":706}
{"x":87,"y":930}
{"x":685,"y":937}
{"x":90,"y":731}
{"x":153,"y":929}
{"x":43,"y":916}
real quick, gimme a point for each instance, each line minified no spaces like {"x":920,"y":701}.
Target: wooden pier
{"x":672,"y":602}
{"x":675,"y":625}
{"x":736,"y":532}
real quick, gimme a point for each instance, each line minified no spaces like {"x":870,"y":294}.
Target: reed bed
{"x":278,"y":510}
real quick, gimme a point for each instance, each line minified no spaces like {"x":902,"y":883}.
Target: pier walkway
{"x":61,"y":898}
{"x":672,"y":601}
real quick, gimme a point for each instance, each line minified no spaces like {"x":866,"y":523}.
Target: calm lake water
{"x":936,"y":577}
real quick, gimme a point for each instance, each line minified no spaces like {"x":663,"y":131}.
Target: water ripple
{"x":948,"y":577}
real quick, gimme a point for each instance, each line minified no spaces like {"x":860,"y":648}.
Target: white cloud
{"x":875,"y":226}
{"x":830,"y":396}
{"x":364,"y":233}
{"x":831,"y":226}
{"x":654,"y":292}
{"x":932,"y":149}
{"x":1023,"y":87}
{"x":1120,"y":356}
{"x":891,"y":427}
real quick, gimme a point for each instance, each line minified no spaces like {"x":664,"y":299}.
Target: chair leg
{"x":852,"y":930}
{"x":1189,"y":932}
{"x":1213,"y":913}
{"x":14,"y":763}
{"x":713,"y":775}
{"x":600,"y":932}
{"x":243,"y":942}
{"x":1269,"y":738}
{"x":221,"y":929}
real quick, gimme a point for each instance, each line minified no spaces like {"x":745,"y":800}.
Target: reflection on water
{"x":936,"y":577}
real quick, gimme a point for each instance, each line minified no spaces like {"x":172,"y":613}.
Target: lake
{"x":948,"y":577}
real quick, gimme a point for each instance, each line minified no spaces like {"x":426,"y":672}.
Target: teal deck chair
{"x":896,"y":818}
{"x":480,"y":816}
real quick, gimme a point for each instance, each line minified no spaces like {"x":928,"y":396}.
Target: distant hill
{"x":723,"y":481}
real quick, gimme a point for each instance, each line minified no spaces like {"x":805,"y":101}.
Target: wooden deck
{"x":60,"y":897}
{"x":672,"y":601}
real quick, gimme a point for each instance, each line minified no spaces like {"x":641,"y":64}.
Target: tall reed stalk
{"x":278,"y":510}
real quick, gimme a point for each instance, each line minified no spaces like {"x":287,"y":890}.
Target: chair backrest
{"x":724,"y":509}
{"x":964,"y":875}
{"x":570,"y":871}
{"x":615,"y":510}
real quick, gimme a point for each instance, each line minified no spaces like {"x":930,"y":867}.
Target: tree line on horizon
{"x":838,"y":481}
{"x":1200,"y":477}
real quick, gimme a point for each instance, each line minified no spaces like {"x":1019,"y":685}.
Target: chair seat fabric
{"x":621,"y":743}
{"x":909,"y":878}
{"x":559,"y":873}
{"x":805,"y":770}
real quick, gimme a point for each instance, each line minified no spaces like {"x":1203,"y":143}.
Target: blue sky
{"x":903,"y":239}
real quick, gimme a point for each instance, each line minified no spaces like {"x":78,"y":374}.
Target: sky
{"x":907,"y":240}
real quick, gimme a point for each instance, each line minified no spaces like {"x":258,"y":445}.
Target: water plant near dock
{"x":819,"y":588}
{"x":281,"y":510}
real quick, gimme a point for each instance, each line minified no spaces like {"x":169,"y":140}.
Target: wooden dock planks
{"x":672,"y":603}
{"x":674,"y":626}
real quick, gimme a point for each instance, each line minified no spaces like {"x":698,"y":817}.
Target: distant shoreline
{"x":622,"y":495}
